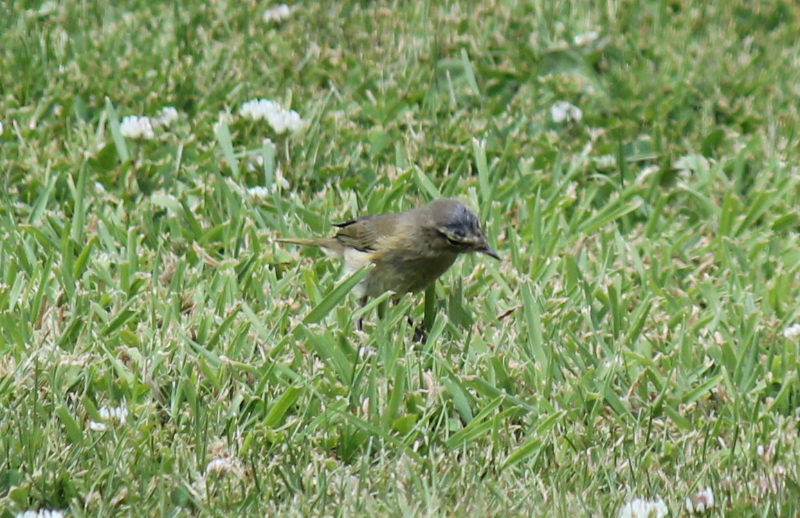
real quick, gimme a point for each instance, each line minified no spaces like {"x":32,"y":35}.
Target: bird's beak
{"x":486,"y":249}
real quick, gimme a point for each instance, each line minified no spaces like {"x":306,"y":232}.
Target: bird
{"x":407,"y":250}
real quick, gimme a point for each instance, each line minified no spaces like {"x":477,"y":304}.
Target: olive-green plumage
{"x":409,"y":250}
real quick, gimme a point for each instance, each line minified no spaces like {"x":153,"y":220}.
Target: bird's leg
{"x":360,"y":320}
{"x":381,"y":312}
{"x":421,"y":329}
{"x":420,"y":334}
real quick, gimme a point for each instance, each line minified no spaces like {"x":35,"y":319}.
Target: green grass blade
{"x":116,"y":135}
{"x":223,"y":136}
{"x":334,"y":297}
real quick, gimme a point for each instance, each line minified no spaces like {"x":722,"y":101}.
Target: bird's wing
{"x":366,"y":233}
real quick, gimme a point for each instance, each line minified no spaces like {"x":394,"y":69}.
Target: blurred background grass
{"x":630,"y":344}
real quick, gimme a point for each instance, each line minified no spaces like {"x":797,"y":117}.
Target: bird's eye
{"x":455,"y":236}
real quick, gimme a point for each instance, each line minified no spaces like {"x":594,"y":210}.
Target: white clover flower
{"x":258,"y":109}
{"x":277,"y":14}
{"x":247,"y":110}
{"x":563,"y":111}
{"x":584,"y":39}
{"x":281,"y":120}
{"x":118,"y":415}
{"x":136,"y":128}
{"x":97,"y":427}
{"x":41,"y":513}
{"x":258,"y":193}
{"x":285,"y":121}
{"x":641,"y":508}
{"x":792,"y":332}
{"x":166,"y":116}
{"x":701,"y":502}
{"x":1,"y":127}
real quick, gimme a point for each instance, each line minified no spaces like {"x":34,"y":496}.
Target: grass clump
{"x":633,"y":162}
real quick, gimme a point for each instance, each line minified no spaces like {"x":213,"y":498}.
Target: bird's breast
{"x":406,"y":272}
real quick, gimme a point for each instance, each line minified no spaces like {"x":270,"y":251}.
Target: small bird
{"x":408,"y":250}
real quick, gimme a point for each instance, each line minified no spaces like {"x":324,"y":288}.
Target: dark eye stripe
{"x":456,"y":243}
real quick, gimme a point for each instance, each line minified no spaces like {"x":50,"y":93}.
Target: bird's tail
{"x":331,"y":246}
{"x":302,"y":242}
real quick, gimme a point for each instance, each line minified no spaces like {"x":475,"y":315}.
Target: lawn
{"x":634,"y":352}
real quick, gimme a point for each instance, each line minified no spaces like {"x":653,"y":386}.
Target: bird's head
{"x":456,"y":228}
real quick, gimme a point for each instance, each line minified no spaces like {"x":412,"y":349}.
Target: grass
{"x":630,"y":344}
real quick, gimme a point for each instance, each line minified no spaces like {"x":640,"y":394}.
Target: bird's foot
{"x":420,"y":333}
